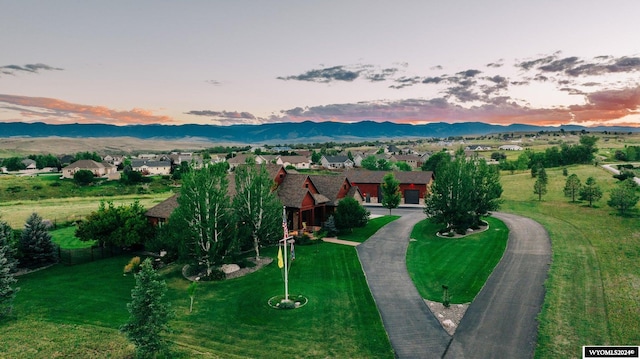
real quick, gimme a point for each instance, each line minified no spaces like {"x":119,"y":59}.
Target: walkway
{"x":501,"y":321}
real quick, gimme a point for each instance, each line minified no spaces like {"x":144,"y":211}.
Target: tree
{"x":35,"y":247}
{"x":7,"y":269}
{"x":572,"y":187}
{"x":350,"y":214}
{"x":435,"y":160}
{"x":403,"y":166}
{"x":370,"y":163}
{"x":590,"y":191}
{"x":149,"y":312}
{"x":316,"y":157}
{"x":624,"y":196}
{"x":205,"y":214}
{"x":391,"y":195}
{"x":83,"y":177}
{"x":257,"y":207}
{"x":383,"y":165}
{"x":465,"y":190}
{"x":540,"y":187}
{"x":123,"y":226}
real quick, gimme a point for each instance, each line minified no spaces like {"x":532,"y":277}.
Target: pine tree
{"x":540,"y":187}
{"x":7,"y":267}
{"x":149,"y":312}
{"x":572,"y":187}
{"x":36,"y":247}
{"x":590,"y":191}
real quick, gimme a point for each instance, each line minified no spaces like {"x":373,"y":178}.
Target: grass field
{"x":363,"y":233}
{"x":594,"y":281}
{"x":61,"y":210}
{"x":463,"y":264}
{"x":77,"y":310}
{"x":66,"y":238}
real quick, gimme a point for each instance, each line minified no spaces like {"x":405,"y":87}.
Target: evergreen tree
{"x":590,"y":191}
{"x":572,"y":187}
{"x":36,"y":248}
{"x":391,"y":195}
{"x":7,"y":267}
{"x":540,"y":187}
{"x":350,"y":214}
{"x":149,"y":312}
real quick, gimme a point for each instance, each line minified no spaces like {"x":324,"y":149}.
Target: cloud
{"x":30,"y":68}
{"x":224,"y":114}
{"x":54,"y":110}
{"x":214,"y":82}
{"x":335,"y":73}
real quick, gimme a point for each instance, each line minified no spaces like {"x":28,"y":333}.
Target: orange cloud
{"x":65,"y":112}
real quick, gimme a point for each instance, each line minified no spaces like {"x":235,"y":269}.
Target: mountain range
{"x":290,"y":132}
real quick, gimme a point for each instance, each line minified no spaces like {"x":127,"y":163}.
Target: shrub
{"x":133,"y":265}
{"x":55,"y":184}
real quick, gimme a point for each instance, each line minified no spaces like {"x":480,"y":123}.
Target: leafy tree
{"x":624,"y":196}
{"x":7,"y":269}
{"x":624,"y":175}
{"x":383,"y":165}
{"x":129,"y":177}
{"x":498,"y":156}
{"x":149,"y":312}
{"x":540,"y":187}
{"x":83,"y":177}
{"x":125,"y":225}
{"x":35,"y":247}
{"x":590,"y":191}
{"x":257,"y":207}
{"x":435,"y":160}
{"x":465,"y":190}
{"x":350,"y":214}
{"x":403,"y":166}
{"x":391,"y":195}
{"x":370,"y":163}
{"x":205,"y":214}
{"x":316,"y":157}
{"x":13,"y":164}
{"x":572,"y":187}
{"x":88,"y":156}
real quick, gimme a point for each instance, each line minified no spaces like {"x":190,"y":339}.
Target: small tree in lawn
{"x":83,"y":177}
{"x":350,"y":214}
{"x":572,"y":187}
{"x":590,"y":191}
{"x":624,"y":196}
{"x":390,"y":192}
{"x":36,"y":248}
{"x":149,"y":312}
{"x":7,"y":267}
{"x":540,"y":187}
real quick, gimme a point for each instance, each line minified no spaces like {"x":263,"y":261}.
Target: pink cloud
{"x":55,"y":110}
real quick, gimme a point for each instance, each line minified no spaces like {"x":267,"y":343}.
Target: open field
{"x":69,"y":209}
{"x":82,"y":307}
{"x":594,"y":280}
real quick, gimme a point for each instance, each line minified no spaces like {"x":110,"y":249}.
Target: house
{"x":308,"y":200}
{"x":412,"y":160}
{"x":414,"y":185}
{"x":241,"y":158}
{"x":149,"y":167}
{"x":336,"y":162}
{"x":299,"y":162}
{"x":115,"y":160}
{"x":477,"y":148}
{"x":29,"y":164}
{"x":510,"y":148}
{"x":98,"y":169}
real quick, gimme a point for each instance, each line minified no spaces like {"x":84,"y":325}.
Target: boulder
{"x":229,"y":268}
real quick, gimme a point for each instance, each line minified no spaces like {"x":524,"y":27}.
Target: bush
{"x":304,"y":239}
{"x":55,"y":184}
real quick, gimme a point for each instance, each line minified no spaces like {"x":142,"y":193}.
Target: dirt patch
{"x":450,"y":317}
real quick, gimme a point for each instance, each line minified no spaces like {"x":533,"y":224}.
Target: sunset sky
{"x":228,"y":62}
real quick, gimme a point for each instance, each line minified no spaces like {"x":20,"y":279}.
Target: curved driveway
{"x":501,"y":321}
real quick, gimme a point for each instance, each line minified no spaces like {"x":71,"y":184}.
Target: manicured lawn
{"x":66,"y":238}
{"x":363,"y":233}
{"x":594,"y":280}
{"x":463,"y":264}
{"x":231,"y":319}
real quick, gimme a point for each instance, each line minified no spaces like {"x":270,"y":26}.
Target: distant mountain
{"x":296,"y":132}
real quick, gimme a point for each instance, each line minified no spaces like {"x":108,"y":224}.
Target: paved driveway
{"x":501,"y":321}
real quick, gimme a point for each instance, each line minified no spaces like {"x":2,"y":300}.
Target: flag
{"x":280,"y":262}
{"x":284,"y":227}
{"x":293,"y":253}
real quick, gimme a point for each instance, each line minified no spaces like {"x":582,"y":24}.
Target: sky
{"x":230,"y":62}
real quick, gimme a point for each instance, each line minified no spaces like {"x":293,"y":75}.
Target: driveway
{"x":501,"y":321}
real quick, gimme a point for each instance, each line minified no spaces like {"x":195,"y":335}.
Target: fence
{"x":84,"y":255}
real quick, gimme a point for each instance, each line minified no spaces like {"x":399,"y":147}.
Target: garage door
{"x":412,"y":196}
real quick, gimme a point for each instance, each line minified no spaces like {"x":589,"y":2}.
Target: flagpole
{"x":286,"y":267}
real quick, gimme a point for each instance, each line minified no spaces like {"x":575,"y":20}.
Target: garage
{"x":412,"y":196}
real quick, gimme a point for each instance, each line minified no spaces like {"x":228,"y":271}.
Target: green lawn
{"x":463,"y":264}
{"x":594,"y":281}
{"x":231,"y":319}
{"x":363,"y":233}
{"x":66,"y":238}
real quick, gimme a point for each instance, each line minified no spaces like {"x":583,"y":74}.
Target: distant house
{"x":241,"y":158}
{"x":414,"y":185}
{"x":97,"y":168}
{"x":29,"y":164}
{"x":149,"y":167}
{"x":510,"y":148}
{"x":477,"y":148}
{"x":336,"y":162}
{"x":115,"y":160}
{"x":412,"y":160}
{"x":299,"y":162}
